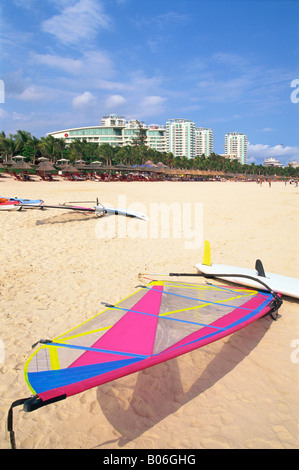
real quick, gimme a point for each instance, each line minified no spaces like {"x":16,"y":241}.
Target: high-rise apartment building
{"x":180,"y":138}
{"x":236,"y":146}
{"x":204,"y":141}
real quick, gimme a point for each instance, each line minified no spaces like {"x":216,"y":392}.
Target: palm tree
{"x":107,"y":152}
{"x":2,"y":145}
{"x":35,"y":145}
{"x":140,"y":138}
{"x":60,"y":147}
{"x":77,"y":149}
{"x":21,"y":139}
{"x":91,"y":151}
{"x":8,"y":145}
{"x":126,"y":154}
{"x":48,"y":147}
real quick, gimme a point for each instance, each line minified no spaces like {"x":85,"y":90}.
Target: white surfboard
{"x":111,"y":210}
{"x":278,"y":283}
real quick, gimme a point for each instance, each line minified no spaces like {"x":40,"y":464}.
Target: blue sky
{"x":228,"y":65}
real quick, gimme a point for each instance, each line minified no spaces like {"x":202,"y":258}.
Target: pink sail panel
{"x":132,"y":334}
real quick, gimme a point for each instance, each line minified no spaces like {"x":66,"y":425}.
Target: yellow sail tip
{"x":207,"y":254}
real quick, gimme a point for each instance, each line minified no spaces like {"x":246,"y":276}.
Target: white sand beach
{"x":58,"y":266}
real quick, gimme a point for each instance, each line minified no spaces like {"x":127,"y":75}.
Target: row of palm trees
{"x":32,"y":148}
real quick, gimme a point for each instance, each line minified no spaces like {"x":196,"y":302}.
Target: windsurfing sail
{"x":99,"y":210}
{"x":160,"y":321}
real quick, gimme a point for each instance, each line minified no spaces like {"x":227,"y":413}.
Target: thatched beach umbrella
{"x":104,"y":167}
{"x":61,"y":162}
{"x":82,"y":166}
{"x":160,"y":164}
{"x":123,"y":167}
{"x":70,"y":169}
{"x":20,"y":157}
{"x":9,"y":162}
{"x":21,"y":165}
{"x":138,"y":168}
{"x":45,"y":166}
{"x":173,"y":171}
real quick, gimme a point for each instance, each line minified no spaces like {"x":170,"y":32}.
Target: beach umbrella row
{"x":46,"y":166}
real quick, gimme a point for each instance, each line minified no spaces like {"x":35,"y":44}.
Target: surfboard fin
{"x":260,"y":268}
{"x":207,"y":254}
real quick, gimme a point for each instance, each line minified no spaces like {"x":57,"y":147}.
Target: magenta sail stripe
{"x":191,"y":342}
{"x":133,"y":333}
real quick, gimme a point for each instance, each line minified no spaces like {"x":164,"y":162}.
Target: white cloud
{"x":140,"y":83}
{"x":151,"y":105}
{"x":63,"y":63}
{"x":268,"y":129}
{"x":114,"y":101}
{"x":84,"y":101}
{"x":223,"y":91}
{"x":231,"y":78}
{"x":78,"y":22}
{"x":97,"y":63}
{"x":162,"y":22}
{"x":230,"y":59}
{"x":21,"y":117}
{"x":32,"y":93}
{"x":108,"y":85}
{"x":27,"y":4}
{"x":3,"y":113}
{"x":152,"y":101}
{"x":258,"y":152}
{"x":15,"y":83}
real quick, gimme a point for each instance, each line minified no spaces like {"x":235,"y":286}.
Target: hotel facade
{"x":179,"y":136}
{"x":116,"y":131}
{"x":236,"y":146}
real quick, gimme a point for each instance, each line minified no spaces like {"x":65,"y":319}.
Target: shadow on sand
{"x":65,"y":218}
{"x":134,"y":405}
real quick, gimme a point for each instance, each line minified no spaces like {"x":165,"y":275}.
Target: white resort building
{"x":271,"y":161}
{"x":116,"y":131}
{"x":179,"y":136}
{"x":204,"y":141}
{"x":236,"y":146}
